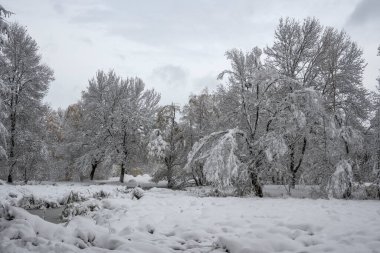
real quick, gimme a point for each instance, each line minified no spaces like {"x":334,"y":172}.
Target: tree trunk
{"x":122,"y":172}
{"x":294,"y":169}
{"x":10,"y":180}
{"x":195,"y":180}
{"x":256,"y":184}
{"x":11,"y":149}
{"x":293,"y":179}
{"x":291,"y":168}
{"x":170,"y":178}
{"x":25,"y":175}
{"x":93,"y":168}
{"x":14,"y":102}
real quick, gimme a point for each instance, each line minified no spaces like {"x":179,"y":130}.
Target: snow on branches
{"x":274,"y":146}
{"x":157,"y":146}
{"x":4,"y":28}
{"x":340,"y":183}
{"x":217,"y":154}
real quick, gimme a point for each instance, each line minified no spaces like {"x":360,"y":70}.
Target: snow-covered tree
{"x":26,"y":82}
{"x":200,"y":115}
{"x":377,"y":168}
{"x":117,"y":117}
{"x":137,"y":110}
{"x":298,"y":49}
{"x":33,"y":150}
{"x":166,"y":145}
{"x":99,"y":103}
{"x":220,"y":157}
{"x":4,"y":28}
{"x":131,"y":121}
{"x":279,"y":106}
{"x":328,"y":61}
{"x":55,"y":139}
{"x":3,"y":34}
{"x":373,"y":140}
{"x":72,"y":147}
{"x":243,"y":105}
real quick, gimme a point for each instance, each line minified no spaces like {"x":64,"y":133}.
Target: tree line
{"x":290,"y":113}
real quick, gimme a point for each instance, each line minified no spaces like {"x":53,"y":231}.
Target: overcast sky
{"x":176,"y":47}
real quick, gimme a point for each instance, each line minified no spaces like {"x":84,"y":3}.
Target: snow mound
{"x":341,"y":181}
{"x":137,"y":193}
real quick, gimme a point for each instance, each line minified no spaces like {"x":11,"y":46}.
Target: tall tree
{"x":119,"y":114}
{"x":373,"y":134}
{"x":200,"y":115}
{"x":3,"y":34}
{"x":245,"y":103}
{"x":26,"y":81}
{"x":328,"y":61}
{"x":166,"y":145}
{"x":132,"y":121}
{"x":100,"y":102}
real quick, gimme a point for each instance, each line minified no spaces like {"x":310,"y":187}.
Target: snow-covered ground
{"x":170,"y":221}
{"x":55,"y":193}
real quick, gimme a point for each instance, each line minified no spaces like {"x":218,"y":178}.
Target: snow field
{"x":170,"y":221}
{"x":56,"y":193}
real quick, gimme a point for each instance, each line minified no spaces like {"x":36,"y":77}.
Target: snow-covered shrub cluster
{"x":22,"y":232}
{"x":74,"y":209}
{"x":170,"y":221}
{"x":32,"y":202}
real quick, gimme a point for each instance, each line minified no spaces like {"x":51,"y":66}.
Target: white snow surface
{"x":171,"y":221}
{"x":57,"y":192}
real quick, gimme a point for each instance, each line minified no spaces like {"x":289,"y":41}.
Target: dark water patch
{"x":52,"y":215}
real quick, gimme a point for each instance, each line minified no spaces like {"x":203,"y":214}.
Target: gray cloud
{"x":92,"y":15}
{"x":177,"y":47}
{"x":367,"y":11}
{"x":121,"y":56}
{"x":169,"y":22}
{"x":207,"y":81}
{"x":170,"y":75}
{"x":58,"y":7}
{"x":86,"y":40}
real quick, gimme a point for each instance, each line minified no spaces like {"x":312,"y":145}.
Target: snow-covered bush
{"x":137,"y":193}
{"x":101,"y":195}
{"x":372,"y":191}
{"x":341,"y":181}
{"x":32,"y":202}
{"x":73,"y":197}
{"x":75,"y":209}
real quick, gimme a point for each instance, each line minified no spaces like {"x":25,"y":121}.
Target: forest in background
{"x":295,"y":112}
